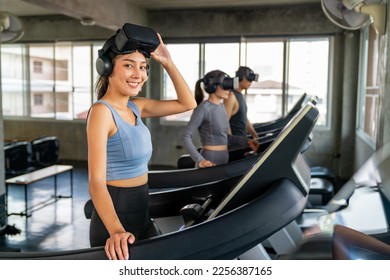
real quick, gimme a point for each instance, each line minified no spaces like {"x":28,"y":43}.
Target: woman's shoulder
{"x":100,"y":107}
{"x":202,"y":106}
{"x":209,"y":106}
{"x":101,"y":104}
{"x":205,"y":104}
{"x":136,"y":103}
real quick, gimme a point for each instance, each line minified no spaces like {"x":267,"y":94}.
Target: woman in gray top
{"x":211,"y":121}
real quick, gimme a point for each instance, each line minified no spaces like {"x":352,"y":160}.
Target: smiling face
{"x":129,"y":74}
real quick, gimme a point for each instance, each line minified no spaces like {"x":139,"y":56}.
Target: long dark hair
{"x":199,"y":93}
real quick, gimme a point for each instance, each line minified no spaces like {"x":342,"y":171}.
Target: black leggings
{"x":131,"y":206}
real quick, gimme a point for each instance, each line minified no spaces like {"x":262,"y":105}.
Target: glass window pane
{"x":13,"y":80}
{"x":42,"y":80}
{"x":264,"y":98}
{"x":63,"y":81}
{"x":222,"y":56}
{"x":81,"y":81}
{"x":308,"y":73}
{"x":186,"y":58}
{"x":371,"y":108}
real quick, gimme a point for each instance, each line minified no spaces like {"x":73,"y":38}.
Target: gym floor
{"x":59,"y":225}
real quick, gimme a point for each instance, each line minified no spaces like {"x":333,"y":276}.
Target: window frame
{"x":27,"y":84}
{"x":363,"y":88}
{"x":242,"y":41}
{"x":243,"y":61}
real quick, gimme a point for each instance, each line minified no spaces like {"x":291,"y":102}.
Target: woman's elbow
{"x":95,"y":184}
{"x":190,"y":105}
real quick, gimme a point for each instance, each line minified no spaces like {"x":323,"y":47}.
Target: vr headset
{"x":248,"y":73}
{"x":252,"y":76}
{"x":133,"y":37}
{"x":226,"y":83}
{"x":128,"y":39}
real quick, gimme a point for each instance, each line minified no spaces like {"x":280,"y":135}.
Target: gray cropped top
{"x":212,"y":123}
{"x":130,"y":148}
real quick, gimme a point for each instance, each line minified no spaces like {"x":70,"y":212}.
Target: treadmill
{"x":225,"y":222}
{"x":282,"y":121}
{"x":355,"y":224}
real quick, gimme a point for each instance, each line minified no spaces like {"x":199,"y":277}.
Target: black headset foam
{"x":211,"y":84}
{"x":103,"y":62}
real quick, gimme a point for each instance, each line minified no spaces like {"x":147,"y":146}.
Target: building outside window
{"x":37,"y":66}
{"x":47,"y":80}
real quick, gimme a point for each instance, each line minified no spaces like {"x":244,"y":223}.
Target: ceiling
{"x":111,"y":15}
{"x":26,"y":8}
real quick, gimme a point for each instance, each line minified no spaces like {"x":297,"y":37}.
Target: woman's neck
{"x":214,"y":99}
{"x":119,"y":103}
{"x":239,"y":89}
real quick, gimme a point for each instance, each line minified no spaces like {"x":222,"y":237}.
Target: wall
{"x":60,"y":28}
{"x":290,"y":20}
{"x":72,"y":135}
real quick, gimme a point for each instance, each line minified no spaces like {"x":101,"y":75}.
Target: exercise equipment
{"x":354,"y":224}
{"x":224,"y":174}
{"x":282,"y":121}
{"x":271,"y":194}
{"x":18,"y":158}
{"x":45,"y":151}
{"x":196,"y":176}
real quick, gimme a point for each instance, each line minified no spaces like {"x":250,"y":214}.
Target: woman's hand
{"x":253,"y":144}
{"x":117,"y":246}
{"x":161,"y":54}
{"x":205,"y":163}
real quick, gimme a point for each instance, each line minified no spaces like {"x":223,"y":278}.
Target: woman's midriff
{"x":129,"y":183}
{"x":215,"y":148}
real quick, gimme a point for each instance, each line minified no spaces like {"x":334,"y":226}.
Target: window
{"x":193,"y":61}
{"x":221,"y":56}
{"x":57,"y":80}
{"x":186,"y":58}
{"x":37,"y":67}
{"x":369,"y":90}
{"x":48,"y":80}
{"x":14,"y":81}
{"x":288,"y":68}
{"x":264,"y":98}
{"x":82,"y":81}
{"x":38,"y":99}
{"x":308,"y":72}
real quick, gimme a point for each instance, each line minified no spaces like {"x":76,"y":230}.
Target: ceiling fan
{"x":356,"y":14}
{"x":11,"y":27}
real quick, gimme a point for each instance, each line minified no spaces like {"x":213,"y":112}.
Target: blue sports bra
{"x":130,"y":148}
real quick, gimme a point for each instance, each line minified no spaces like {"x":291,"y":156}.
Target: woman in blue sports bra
{"x":119,"y":144}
